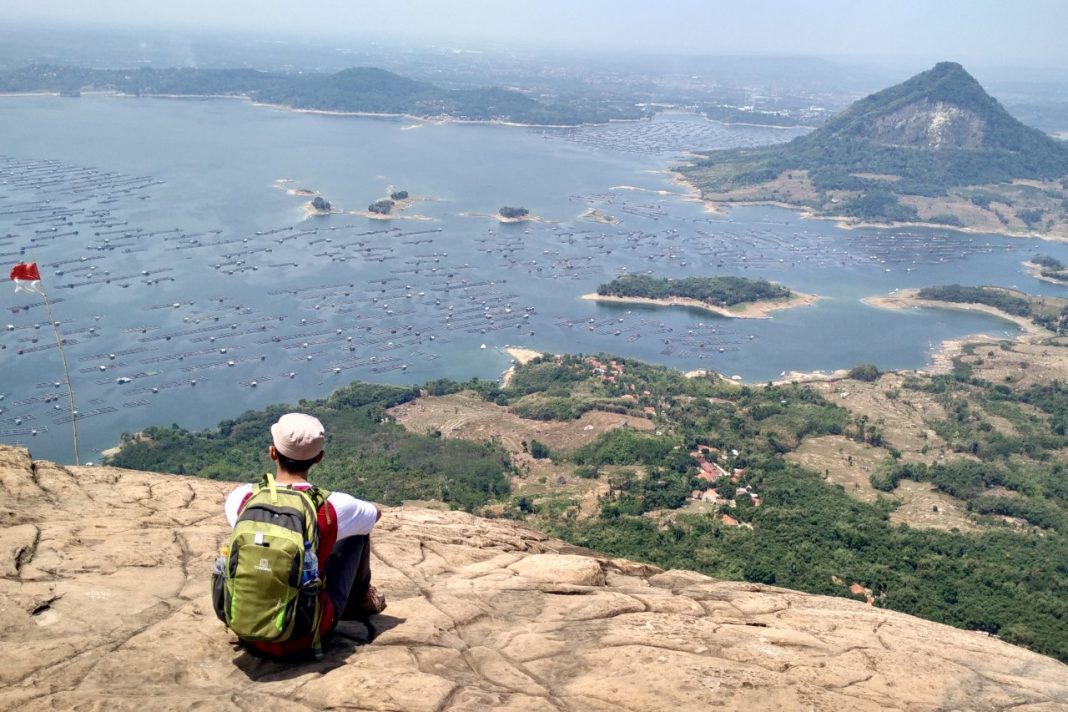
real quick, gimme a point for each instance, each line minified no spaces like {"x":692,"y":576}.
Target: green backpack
{"x":259,"y":593}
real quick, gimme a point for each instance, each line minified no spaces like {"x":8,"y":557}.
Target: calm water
{"x":173,"y":257}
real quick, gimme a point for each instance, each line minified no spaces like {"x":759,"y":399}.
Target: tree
{"x":381,"y":207}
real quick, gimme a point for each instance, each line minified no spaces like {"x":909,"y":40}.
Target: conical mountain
{"x":940,"y":124}
{"x":928,"y":137}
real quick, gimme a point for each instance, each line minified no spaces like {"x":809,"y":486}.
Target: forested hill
{"x":940,"y":496}
{"x":361,"y":89}
{"x":925,"y":137}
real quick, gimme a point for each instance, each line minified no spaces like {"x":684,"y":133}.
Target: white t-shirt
{"x":355,"y":517}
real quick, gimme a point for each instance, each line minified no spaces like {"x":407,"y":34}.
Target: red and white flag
{"x":27,"y":278}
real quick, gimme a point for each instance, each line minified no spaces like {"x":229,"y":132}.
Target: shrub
{"x":538,"y":450}
{"x":864,"y":372}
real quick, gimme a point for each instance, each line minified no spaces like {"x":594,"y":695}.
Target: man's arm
{"x":355,"y":517}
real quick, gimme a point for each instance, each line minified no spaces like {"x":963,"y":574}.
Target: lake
{"x":190,"y":285}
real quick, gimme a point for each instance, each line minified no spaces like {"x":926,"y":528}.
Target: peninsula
{"x":358,"y":90}
{"x":936,"y":150}
{"x":1035,"y":315}
{"x":1047,"y":269}
{"x":734,"y":297}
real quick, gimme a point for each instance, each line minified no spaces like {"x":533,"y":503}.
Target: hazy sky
{"x":1026,"y":32}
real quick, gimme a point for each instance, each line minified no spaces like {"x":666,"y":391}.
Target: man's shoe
{"x":372,"y":603}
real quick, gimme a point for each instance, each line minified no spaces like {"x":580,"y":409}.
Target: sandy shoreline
{"x":693,"y":193}
{"x":599,"y":216}
{"x":690,"y":192}
{"x":411,"y":117}
{"x":749,"y":310}
{"x":521,"y":355}
{"x":846,"y":223}
{"x":810,"y":376}
{"x":310,"y":211}
{"x":530,"y":217}
{"x":396,"y":213}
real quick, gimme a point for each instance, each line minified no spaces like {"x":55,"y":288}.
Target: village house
{"x":608,"y":373}
{"x":713,"y":497}
{"x":708,"y":471}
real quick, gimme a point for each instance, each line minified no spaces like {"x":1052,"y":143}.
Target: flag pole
{"x":66,"y":374}
{"x":28,"y":272}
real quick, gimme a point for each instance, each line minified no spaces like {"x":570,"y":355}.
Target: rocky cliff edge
{"x":104,"y":577}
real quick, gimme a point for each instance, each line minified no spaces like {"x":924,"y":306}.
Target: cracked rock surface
{"x":104,"y":605}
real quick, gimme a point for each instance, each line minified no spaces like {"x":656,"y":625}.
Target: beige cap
{"x":298,"y":436}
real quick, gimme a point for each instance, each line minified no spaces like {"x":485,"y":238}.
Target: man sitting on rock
{"x":345,"y":525}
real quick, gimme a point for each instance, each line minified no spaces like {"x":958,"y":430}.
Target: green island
{"x":398,"y":200}
{"x":511,"y":213}
{"x":726,"y":296}
{"x":935,"y":149}
{"x":942,"y":495}
{"x":721,"y":291}
{"x":355,"y":90}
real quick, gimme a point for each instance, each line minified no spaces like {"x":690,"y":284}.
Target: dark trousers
{"x":348,"y":573}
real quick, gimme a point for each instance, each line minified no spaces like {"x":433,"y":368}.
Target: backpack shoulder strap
{"x":268,"y":484}
{"x":318,"y":497}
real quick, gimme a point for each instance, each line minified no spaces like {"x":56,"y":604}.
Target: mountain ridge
{"x":355,"y":90}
